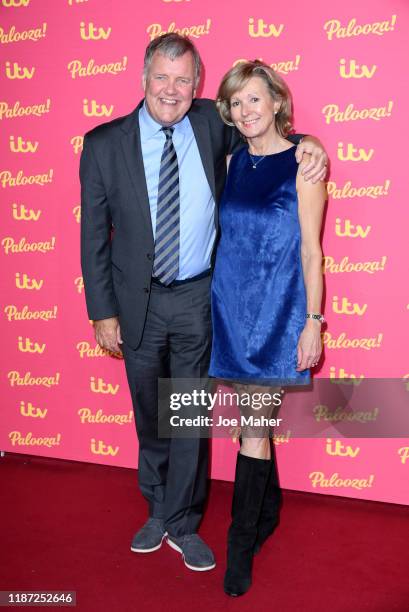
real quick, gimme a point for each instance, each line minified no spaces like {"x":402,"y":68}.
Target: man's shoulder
{"x":204,"y":106}
{"x":110,"y":129}
{"x":204,"y":103}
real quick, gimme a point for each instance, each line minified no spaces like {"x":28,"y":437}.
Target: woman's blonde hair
{"x":238,"y":76}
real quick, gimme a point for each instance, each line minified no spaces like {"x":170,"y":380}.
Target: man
{"x":150,"y":186}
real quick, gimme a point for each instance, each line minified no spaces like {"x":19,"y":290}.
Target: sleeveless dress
{"x":258,"y":291}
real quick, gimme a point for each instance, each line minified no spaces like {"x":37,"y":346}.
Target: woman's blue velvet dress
{"x":258,"y":291}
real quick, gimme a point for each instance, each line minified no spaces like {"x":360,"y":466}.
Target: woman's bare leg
{"x":255,"y":441}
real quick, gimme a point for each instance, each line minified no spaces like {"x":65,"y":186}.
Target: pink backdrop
{"x":67,"y":66}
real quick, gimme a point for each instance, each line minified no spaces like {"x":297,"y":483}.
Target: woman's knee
{"x":255,"y":447}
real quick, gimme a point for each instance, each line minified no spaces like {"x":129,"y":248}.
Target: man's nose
{"x":170,"y":86}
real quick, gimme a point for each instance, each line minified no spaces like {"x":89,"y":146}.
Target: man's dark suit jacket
{"x":117,"y":243}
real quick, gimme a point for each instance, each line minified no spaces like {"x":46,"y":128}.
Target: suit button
{"x":149,"y":256}
{"x":146,"y":290}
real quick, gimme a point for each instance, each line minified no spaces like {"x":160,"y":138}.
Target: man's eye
{"x":254,"y":99}
{"x":235,"y":103}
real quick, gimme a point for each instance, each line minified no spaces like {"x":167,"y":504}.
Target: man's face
{"x":169,"y":87}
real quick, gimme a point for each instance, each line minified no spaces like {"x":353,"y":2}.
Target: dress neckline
{"x":271,"y":154}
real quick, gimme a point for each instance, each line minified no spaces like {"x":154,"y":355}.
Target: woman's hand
{"x":309,"y":346}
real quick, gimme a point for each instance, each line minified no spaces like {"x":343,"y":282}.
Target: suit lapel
{"x":202,"y":135}
{"x":132,"y":151}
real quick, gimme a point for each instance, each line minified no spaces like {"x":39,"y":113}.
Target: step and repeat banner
{"x":67,"y":66}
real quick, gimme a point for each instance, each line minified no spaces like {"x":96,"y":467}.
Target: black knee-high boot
{"x":249,"y":487}
{"x":270,"y":509}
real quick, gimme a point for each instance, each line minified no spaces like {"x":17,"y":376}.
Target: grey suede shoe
{"x":196,"y":554}
{"x":149,"y":537}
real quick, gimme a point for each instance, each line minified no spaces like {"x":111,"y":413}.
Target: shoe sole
{"x":148,"y":550}
{"x":191,"y":567}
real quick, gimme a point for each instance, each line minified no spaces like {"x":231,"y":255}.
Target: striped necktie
{"x":166,"y":259}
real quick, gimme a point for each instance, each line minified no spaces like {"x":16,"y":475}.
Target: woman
{"x":266,"y":290}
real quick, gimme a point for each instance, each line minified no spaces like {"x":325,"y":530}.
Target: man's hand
{"x":108,"y":334}
{"x":316,"y":170}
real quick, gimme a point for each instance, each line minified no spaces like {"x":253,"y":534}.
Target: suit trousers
{"x":176,"y":343}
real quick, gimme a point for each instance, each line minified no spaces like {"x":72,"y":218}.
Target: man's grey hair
{"x":172,"y":45}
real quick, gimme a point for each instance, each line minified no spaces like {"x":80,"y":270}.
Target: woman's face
{"x":252,"y":109}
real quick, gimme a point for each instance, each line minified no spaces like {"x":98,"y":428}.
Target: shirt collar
{"x":150,"y":128}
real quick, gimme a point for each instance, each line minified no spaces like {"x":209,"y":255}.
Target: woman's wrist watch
{"x":317,"y":317}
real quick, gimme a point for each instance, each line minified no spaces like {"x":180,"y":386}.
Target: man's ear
{"x":144,"y":82}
